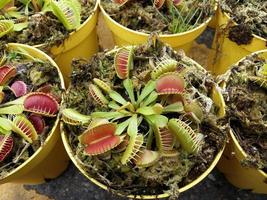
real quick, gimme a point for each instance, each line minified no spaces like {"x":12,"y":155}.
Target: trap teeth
{"x":6,"y":145}
{"x":6,"y":73}
{"x":22,"y":126}
{"x":100,"y":139}
{"x":170,"y":84}
{"x":41,"y":103}
{"x":189,"y":140}
{"x":97,"y":95}
{"x":6,"y":26}
{"x":123,"y":61}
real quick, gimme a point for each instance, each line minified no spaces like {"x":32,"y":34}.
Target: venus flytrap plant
{"x":68,"y":12}
{"x":165,"y":64}
{"x":6,"y":145}
{"x":19,"y":18}
{"x":6,"y":26}
{"x":23,"y":112}
{"x":190,"y":140}
{"x":134,"y":124}
{"x":133,"y":108}
{"x":73,"y":117}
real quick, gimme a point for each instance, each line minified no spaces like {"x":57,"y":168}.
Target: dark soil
{"x":240,"y":34}
{"x":141,"y":15}
{"x":251,"y":14}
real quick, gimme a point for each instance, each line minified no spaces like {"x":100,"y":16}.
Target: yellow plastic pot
{"x":124,"y":36}
{"x":50,"y":160}
{"x":218,"y":99}
{"x":82,"y":43}
{"x":230,"y":164}
{"x":225,"y":52}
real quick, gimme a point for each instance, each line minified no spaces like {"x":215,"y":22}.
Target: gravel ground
{"x":74,"y":186}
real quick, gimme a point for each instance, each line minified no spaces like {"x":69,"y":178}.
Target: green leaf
{"x":68,"y":12}
{"x":263,"y":70}
{"x":150,"y":86}
{"x":189,"y":140}
{"x":26,"y":6}
{"x":26,"y":54}
{"x":122,"y":126}
{"x":150,"y":110}
{"x":4,"y":132}
{"x":175,"y":107}
{"x":140,"y":119}
{"x":73,"y":117}
{"x":21,"y":26}
{"x":12,"y":110}
{"x":128,"y":106}
{"x":3,"y":3}
{"x":5,"y":125}
{"x":22,"y":126}
{"x":6,"y":26}
{"x":117,"y":97}
{"x":150,"y":99}
{"x":18,"y":101}
{"x":159,"y":120}
{"x":133,"y":127}
{"x":128,"y":85}
{"x":107,"y":115}
{"x":24,"y":2}
{"x":14,"y":14}
{"x":113,"y":105}
{"x":3,"y":59}
{"x":122,"y":116}
{"x":46,"y":7}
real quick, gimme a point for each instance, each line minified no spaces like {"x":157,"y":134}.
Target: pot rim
{"x":161,"y":35}
{"x":50,"y":134}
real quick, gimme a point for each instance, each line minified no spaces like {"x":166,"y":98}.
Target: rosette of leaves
{"x":164,"y":16}
{"x":41,"y":21}
{"x":29,"y":103}
{"x":245,"y":91}
{"x":142,"y":119}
